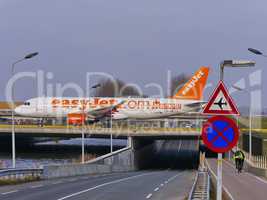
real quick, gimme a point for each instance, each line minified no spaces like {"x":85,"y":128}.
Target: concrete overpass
{"x":64,"y":131}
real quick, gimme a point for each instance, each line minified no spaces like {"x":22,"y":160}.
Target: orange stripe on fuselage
{"x":132,"y":104}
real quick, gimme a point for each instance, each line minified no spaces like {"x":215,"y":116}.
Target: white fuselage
{"x":137,"y":108}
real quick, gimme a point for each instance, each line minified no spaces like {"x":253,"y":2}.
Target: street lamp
{"x":83,"y":123}
{"x":257,"y":52}
{"x":110,"y":122}
{"x":95,"y":87}
{"x":28,"y":56}
{"x":234,"y":63}
{"x":250,"y":121}
{"x":227,"y":63}
{"x":111,"y":134}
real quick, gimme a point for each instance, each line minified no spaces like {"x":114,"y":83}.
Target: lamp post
{"x":234,"y":64}
{"x":257,"y":52}
{"x":227,"y":63}
{"x":110,"y":124}
{"x":96,"y":86}
{"x":250,"y":121}
{"x":111,"y":134}
{"x":83,"y":124}
{"x":28,"y":56}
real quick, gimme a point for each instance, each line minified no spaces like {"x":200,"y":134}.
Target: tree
{"x":116,"y":88}
{"x":177,"y":82}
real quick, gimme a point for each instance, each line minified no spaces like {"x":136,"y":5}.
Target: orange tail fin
{"x":193,"y":89}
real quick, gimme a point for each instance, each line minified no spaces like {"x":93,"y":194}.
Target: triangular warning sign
{"x":220,"y":102}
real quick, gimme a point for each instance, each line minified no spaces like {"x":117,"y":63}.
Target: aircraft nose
{"x":18,"y":110}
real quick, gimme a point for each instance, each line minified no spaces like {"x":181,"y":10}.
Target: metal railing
{"x":14,"y":174}
{"x":201,"y":187}
{"x":256,"y":161}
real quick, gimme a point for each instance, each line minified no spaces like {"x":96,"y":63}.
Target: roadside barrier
{"x":18,"y":174}
{"x":201,"y":187}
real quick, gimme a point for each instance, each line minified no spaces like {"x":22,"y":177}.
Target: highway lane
{"x":167,"y":184}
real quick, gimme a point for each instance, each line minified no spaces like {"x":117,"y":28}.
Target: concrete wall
{"x":118,"y":161}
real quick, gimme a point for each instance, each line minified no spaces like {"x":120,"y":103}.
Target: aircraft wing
{"x":195,"y":106}
{"x":103,"y":111}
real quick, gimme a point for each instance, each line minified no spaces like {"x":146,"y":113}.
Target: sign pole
{"x":219,"y":177}
{"x":219,"y":159}
{"x":218,"y":136}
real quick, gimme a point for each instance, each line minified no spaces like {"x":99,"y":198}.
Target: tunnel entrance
{"x":172,"y":153}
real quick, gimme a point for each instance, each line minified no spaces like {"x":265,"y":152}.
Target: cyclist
{"x":239,"y":158}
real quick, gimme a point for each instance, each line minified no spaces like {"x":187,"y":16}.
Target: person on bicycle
{"x":239,"y":158}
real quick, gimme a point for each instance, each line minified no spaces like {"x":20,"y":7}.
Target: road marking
{"x":149,"y":196}
{"x":161,"y":185}
{"x":180,"y":146}
{"x":254,"y":176}
{"x":226,"y":190}
{"x":102,"y":185}
{"x":13,"y":191}
{"x":73,"y":179}
{"x":58,"y":182}
{"x":37,"y":186}
{"x":172,"y":178}
{"x":156,"y":189}
{"x":166,"y":182}
{"x":260,"y":179}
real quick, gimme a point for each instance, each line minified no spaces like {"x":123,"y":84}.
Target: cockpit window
{"x":27,"y":103}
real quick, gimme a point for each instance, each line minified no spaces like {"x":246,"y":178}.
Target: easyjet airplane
{"x":77,"y":110}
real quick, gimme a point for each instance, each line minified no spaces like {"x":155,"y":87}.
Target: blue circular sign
{"x":220,"y":134}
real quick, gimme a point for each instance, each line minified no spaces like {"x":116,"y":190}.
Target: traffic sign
{"x":220,"y":134}
{"x":220,"y":102}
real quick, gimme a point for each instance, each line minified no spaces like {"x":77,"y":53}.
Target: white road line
{"x":13,"y":191}
{"x":58,"y":182}
{"x":166,"y":182}
{"x":254,"y":176}
{"x":172,"y":178}
{"x":260,"y":179}
{"x":180,"y":146}
{"x":102,"y":185}
{"x":37,"y":186}
{"x":161,"y":185}
{"x":73,"y":179}
{"x":149,"y":196}
{"x":156,"y":189}
{"x":226,"y":190}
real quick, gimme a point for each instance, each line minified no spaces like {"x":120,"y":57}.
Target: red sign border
{"x":221,"y":87}
{"x":210,"y":145}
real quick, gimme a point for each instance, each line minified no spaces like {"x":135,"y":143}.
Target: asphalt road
{"x":158,"y":185}
{"x":244,"y":186}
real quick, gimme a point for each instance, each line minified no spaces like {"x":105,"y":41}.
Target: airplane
{"x":79,"y":110}
{"x":220,"y":103}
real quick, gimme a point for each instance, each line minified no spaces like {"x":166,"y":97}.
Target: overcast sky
{"x":134,"y":40}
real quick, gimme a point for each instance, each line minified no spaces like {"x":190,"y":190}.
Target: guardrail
{"x":201,"y":187}
{"x":14,"y":174}
{"x":256,"y":161}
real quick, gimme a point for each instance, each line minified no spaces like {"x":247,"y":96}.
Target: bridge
{"x":72,"y":131}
